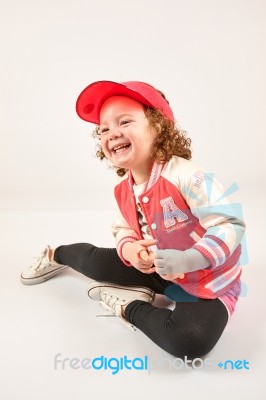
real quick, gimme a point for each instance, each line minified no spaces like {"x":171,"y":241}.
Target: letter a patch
{"x":171,"y":211}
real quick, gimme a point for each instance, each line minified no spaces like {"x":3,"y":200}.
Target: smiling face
{"x":126,"y":137}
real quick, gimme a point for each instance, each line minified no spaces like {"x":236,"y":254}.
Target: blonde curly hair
{"x":170,"y":141}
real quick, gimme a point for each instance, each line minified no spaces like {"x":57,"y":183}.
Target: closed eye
{"x":104,"y":130}
{"x":124,"y":122}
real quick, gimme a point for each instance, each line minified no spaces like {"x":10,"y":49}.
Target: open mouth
{"x":121,"y":148}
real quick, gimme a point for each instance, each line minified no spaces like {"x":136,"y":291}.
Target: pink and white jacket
{"x":185,"y":207}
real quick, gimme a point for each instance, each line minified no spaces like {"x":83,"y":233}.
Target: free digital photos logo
{"x":116,"y":365}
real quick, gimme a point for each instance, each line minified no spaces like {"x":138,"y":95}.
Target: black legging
{"x":192,"y":329}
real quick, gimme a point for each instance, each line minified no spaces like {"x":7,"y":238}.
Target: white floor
{"x":42,"y":321}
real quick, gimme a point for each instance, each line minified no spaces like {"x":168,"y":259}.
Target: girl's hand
{"x":169,"y":276}
{"x":172,"y":264}
{"x":138,"y":254}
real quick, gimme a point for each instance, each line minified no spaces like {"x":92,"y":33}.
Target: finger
{"x":147,"y":242}
{"x":158,"y":254}
{"x":150,"y":270}
{"x":145,"y":265}
{"x":143,"y":255}
{"x":160,"y":263}
{"x":161,"y":271}
{"x":151,"y":257}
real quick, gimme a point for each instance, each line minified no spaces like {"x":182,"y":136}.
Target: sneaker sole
{"x":93,"y":291}
{"x":42,"y":278}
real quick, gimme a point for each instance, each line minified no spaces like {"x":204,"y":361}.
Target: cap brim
{"x":90,"y":100}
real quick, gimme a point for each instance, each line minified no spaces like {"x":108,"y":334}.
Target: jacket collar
{"x":155,"y":174}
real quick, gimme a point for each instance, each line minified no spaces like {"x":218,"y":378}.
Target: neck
{"x":139,"y":179}
{"x":142,"y":174}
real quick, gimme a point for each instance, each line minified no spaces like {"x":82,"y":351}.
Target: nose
{"x":114,"y":133}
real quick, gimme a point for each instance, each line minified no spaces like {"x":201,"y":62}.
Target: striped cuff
{"x":120,"y":244}
{"x":214,"y":249}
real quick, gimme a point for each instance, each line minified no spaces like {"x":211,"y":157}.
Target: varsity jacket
{"x":185,"y":207}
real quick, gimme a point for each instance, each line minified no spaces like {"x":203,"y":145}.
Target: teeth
{"x":120,"y":147}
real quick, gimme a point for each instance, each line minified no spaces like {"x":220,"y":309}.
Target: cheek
{"x":103,"y":148}
{"x":103,"y":144}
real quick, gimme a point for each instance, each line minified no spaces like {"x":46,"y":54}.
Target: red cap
{"x":91,"y":99}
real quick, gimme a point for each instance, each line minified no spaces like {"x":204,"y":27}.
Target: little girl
{"x":175,"y":232}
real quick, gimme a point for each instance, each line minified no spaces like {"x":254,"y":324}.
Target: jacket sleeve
{"x":221,"y":219}
{"x":123,"y":233}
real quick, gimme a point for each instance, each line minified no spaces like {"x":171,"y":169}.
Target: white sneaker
{"x":42,"y":270}
{"x":112,"y":297}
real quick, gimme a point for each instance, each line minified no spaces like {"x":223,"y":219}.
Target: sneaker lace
{"x":110,"y":303}
{"x":41,"y":262}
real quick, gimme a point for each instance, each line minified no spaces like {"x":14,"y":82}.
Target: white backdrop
{"x":208,"y":57}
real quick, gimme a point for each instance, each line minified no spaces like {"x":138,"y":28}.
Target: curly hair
{"x":170,"y":141}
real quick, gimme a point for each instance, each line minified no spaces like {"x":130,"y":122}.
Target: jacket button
{"x":145,"y":199}
{"x":153,"y":226}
